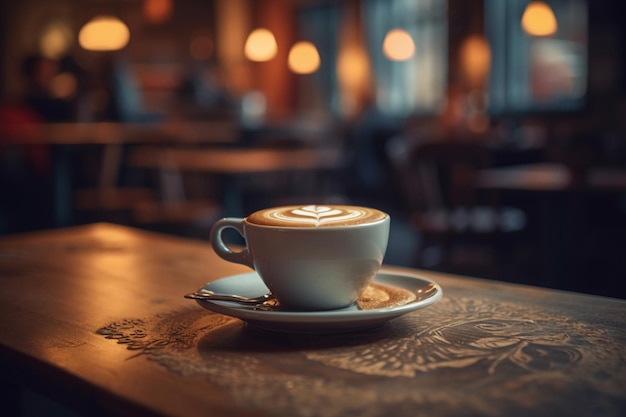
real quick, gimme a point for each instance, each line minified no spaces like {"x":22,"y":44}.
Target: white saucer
{"x":343,"y":320}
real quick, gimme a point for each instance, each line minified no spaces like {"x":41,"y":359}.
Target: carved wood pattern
{"x":452,"y":358}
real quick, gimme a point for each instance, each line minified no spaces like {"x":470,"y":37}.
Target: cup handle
{"x":222,"y":249}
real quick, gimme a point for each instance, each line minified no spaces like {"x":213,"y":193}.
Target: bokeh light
{"x":56,"y":40}
{"x":157,"y":11}
{"x":104,"y":33}
{"x":64,"y":86}
{"x":539,"y":20}
{"x":398,"y":45}
{"x":303,"y":58}
{"x":475,"y":58}
{"x":261,"y":45}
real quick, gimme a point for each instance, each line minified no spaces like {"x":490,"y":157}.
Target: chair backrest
{"x":442,"y":174}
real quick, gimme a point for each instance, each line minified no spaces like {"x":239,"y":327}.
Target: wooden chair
{"x":460,"y":229}
{"x":107,"y":200}
{"x":180,"y":200}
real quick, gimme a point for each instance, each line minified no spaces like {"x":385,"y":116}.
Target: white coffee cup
{"x":310,"y":257}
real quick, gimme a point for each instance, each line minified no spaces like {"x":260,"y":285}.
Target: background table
{"x":93,"y":318}
{"x":552,"y":177}
{"x":228,"y":164}
{"x":64,"y":138}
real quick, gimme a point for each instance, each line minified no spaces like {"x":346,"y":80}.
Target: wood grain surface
{"x":94,"y":317}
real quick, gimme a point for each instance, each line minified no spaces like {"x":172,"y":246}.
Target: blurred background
{"x":492,"y":131}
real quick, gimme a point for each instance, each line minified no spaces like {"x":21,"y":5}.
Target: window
{"x":320,"y":24}
{"x":530,"y":73}
{"x":417,"y":85}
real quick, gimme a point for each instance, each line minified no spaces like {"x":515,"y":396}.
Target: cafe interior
{"x":492,"y":131}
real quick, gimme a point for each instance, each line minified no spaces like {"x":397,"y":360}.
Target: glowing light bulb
{"x":157,"y":11}
{"x":104,"y":33}
{"x":261,"y":45}
{"x":398,"y":45}
{"x":303,"y":58}
{"x":352,"y":67}
{"x":539,"y":20}
{"x":56,"y":40}
{"x":63,"y":85}
{"x":475,"y":57}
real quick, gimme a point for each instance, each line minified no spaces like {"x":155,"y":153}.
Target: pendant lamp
{"x":539,"y":20}
{"x":303,"y":58}
{"x":104,"y":33}
{"x":398,"y":45}
{"x":261,"y":45}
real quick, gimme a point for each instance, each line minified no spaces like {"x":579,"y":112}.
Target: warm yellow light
{"x":539,"y":20}
{"x":398,"y":45}
{"x":157,"y":11}
{"x":475,"y":59}
{"x":104,"y":33}
{"x":352,"y":68}
{"x":63,"y":85}
{"x":56,"y":40}
{"x":303,"y":58}
{"x":354,"y":77}
{"x":260,"y":45}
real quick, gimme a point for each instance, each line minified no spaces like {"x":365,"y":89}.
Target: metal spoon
{"x":203,"y":294}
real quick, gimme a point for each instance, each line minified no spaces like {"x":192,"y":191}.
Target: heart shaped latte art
{"x":317,"y":212}
{"x":314,"y":216}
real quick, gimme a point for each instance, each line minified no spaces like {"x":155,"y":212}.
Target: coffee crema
{"x":316,"y":216}
{"x":384,"y":296}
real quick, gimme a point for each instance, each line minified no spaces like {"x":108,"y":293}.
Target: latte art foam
{"x":316,"y":216}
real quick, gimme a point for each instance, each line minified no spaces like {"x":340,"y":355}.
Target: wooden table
{"x":111,"y":136}
{"x":116,"y":133}
{"x":237,"y":160}
{"x":552,"y":177}
{"x":93,"y":319}
{"x":228,"y":163}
